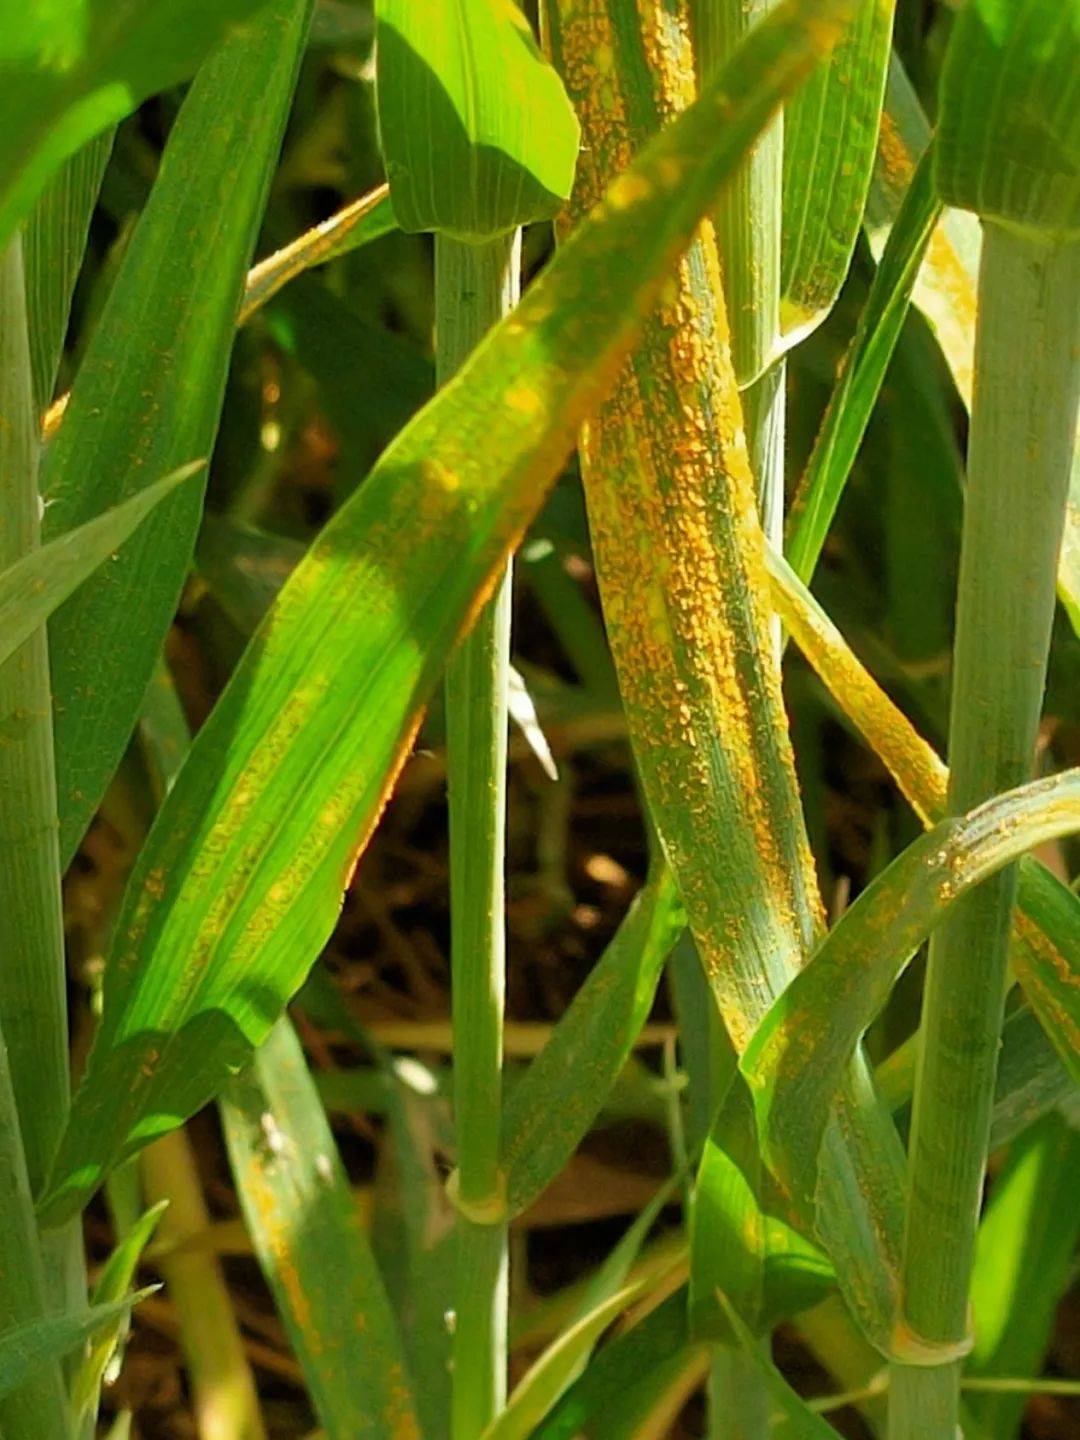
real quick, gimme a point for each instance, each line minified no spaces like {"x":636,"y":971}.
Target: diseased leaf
{"x":305,"y":1226}
{"x":796,"y":1059}
{"x":32,"y":588}
{"x":680,"y":564}
{"x":149,"y":390}
{"x":1046,"y":929}
{"x":70,"y":71}
{"x":830,"y":140}
{"x":240,"y":881}
{"x":945,"y":286}
{"x":494,"y":115}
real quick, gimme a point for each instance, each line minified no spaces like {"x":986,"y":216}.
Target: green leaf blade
{"x":35,"y":586}
{"x":72,"y":71}
{"x":830,"y":140}
{"x":149,"y":392}
{"x":499,"y":142}
{"x":1009,"y":139}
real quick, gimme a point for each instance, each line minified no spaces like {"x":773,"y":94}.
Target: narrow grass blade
{"x":797,"y":1057}
{"x":680,"y":562}
{"x":149,"y":392}
{"x":33,"y":977}
{"x":41,"y":1403}
{"x":1023,"y":1263}
{"x":466,"y":67}
{"x":71,"y":72}
{"x":830,"y":141}
{"x":794,"y":1420}
{"x":54,"y":240}
{"x":860,"y":380}
{"x":26,"y":1349}
{"x":651,"y":1351}
{"x":355,"y":225}
{"x":413,"y":1236}
{"x":545,"y":1381}
{"x":36,"y":585}
{"x":306,"y":1229}
{"x":748,"y":223}
{"x":293,"y":767}
{"x":111,"y":1288}
{"x":549,"y":1110}
{"x":1046,"y":936}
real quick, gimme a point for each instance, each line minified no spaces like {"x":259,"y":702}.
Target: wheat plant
{"x":539,"y":719}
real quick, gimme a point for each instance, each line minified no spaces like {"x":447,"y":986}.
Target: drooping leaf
{"x":552,"y":1106}
{"x":240,"y":881}
{"x":495,"y":115}
{"x":70,"y":71}
{"x":32,"y":588}
{"x":1046,"y":931}
{"x":830,"y":140}
{"x":1009,"y":137}
{"x":306,"y":1229}
{"x":149,"y":391}
{"x":797,"y":1057}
